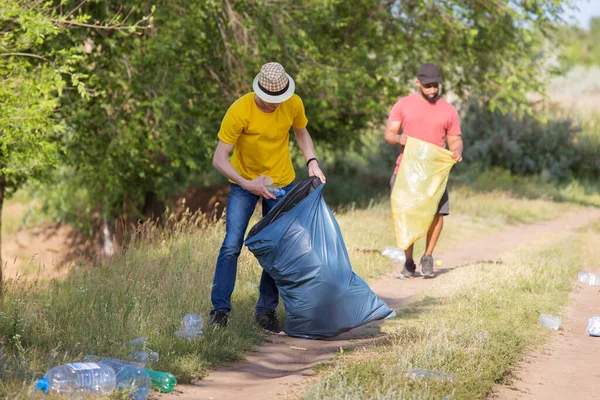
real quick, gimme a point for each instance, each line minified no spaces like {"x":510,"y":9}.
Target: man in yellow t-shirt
{"x":256,"y":127}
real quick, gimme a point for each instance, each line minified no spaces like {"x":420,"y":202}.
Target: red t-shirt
{"x":425,"y":121}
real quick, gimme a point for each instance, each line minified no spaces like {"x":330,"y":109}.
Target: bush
{"x":558,"y":149}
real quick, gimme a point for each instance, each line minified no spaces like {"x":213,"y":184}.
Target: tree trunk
{"x":2,"y":184}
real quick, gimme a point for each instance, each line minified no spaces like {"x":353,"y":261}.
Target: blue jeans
{"x":240,"y":207}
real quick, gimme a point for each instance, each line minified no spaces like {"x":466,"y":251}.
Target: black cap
{"x":429,"y":73}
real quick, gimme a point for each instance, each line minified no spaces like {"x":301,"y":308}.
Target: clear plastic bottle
{"x":163,"y":381}
{"x":395,"y":254}
{"x":191,"y":327}
{"x":78,"y":379}
{"x":131,"y":379}
{"x":140,"y":352}
{"x":273,"y":189}
{"x":144,"y":357}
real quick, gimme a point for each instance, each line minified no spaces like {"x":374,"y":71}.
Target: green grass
{"x":168,"y":273}
{"x":474,"y":325}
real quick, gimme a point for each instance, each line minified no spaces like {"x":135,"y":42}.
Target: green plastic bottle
{"x":163,"y":381}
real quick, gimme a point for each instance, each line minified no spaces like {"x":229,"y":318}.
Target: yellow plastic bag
{"x":420,"y":184}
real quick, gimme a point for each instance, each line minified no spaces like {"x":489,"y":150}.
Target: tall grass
{"x":167,"y":273}
{"x":472,"y":328}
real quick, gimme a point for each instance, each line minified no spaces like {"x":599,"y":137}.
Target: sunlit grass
{"x":473,"y":326}
{"x":166,"y":274}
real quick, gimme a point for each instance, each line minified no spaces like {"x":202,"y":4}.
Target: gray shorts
{"x":443,"y":206}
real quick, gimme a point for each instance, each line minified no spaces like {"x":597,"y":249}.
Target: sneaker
{"x":409,"y":269}
{"x":270,"y":323}
{"x":219,"y":319}
{"x":427,"y":266}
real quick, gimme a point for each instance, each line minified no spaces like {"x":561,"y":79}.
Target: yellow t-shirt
{"x":261,"y":139}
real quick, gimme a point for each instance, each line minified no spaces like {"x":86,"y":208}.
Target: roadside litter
{"x":191,"y":327}
{"x":588,"y":278}
{"x":550,"y":321}
{"x":593,"y":326}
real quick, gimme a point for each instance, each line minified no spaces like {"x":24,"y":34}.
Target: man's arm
{"x":222,"y":164}
{"x":455,"y":144}
{"x":391,"y":133}
{"x":308,"y":150}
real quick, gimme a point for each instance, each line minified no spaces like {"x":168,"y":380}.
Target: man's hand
{"x":401,"y":139}
{"x":455,"y":145}
{"x":314,"y":170}
{"x":257,"y":187}
{"x":457,"y":155}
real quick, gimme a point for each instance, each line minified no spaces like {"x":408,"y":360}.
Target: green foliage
{"x":557,"y":149}
{"x":32,"y":80}
{"x":581,"y":47}
{"x":150,"y":127}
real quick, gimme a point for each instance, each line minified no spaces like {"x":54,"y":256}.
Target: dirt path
{"x":281,"y":366}
{"x":567,"y":367}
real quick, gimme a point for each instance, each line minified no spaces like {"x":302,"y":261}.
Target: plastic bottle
{"x":76,"y":379}
{"x":550,"y":321}
{"x":589,"y":278}
{"x":191,"y":327}
{"x":163,"y":381}
{"x":140,"y":352}
{"x":273,"y":189}
{"x":130,"y":378}
{"x":593,"y":326}
{"x":395,"y":254}
{"x":144,"y":356}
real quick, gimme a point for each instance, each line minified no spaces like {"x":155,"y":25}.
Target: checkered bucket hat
{"x":272,"y":84}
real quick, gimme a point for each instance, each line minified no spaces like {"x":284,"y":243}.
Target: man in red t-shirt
{"x":426,"y":116}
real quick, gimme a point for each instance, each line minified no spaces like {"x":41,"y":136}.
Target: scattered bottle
{"x":550,"y":321}
{"x":593,"y":326}
{"x":191,"y":327}
{"x":588,"y":278}
{"x":140,"y":352}
{"x":144,"y":357}
{"x":273,"y":189}
{"x":131,"y":379}
{"x":395,"y":254}
{"x":163,"y":381}
{"x":77,"y":379}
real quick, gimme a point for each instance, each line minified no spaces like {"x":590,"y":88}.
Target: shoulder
{"x":242,"y":102}
{"x":294,"y":101}
{"x":403,"y":101}
{"x":447,"y":106}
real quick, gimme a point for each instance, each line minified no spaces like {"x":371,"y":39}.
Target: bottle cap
{"x":42,"y":385}
{"x":281,"y":192}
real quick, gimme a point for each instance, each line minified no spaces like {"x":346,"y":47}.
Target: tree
{"x":159,"y":98}
{"x":35,"y":74}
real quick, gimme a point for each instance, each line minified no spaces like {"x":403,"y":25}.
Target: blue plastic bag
{"x":300,"y":245}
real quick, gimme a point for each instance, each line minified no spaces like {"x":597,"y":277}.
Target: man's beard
{"x":431,"y":100}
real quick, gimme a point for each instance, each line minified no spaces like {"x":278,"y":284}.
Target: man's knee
{"x":232,"y":246}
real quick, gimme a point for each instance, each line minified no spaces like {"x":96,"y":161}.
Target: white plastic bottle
{"x":191,"y":327}
{"x":395,"y":254}
{"x":273,"y":189}
{"x":77,"y":379}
